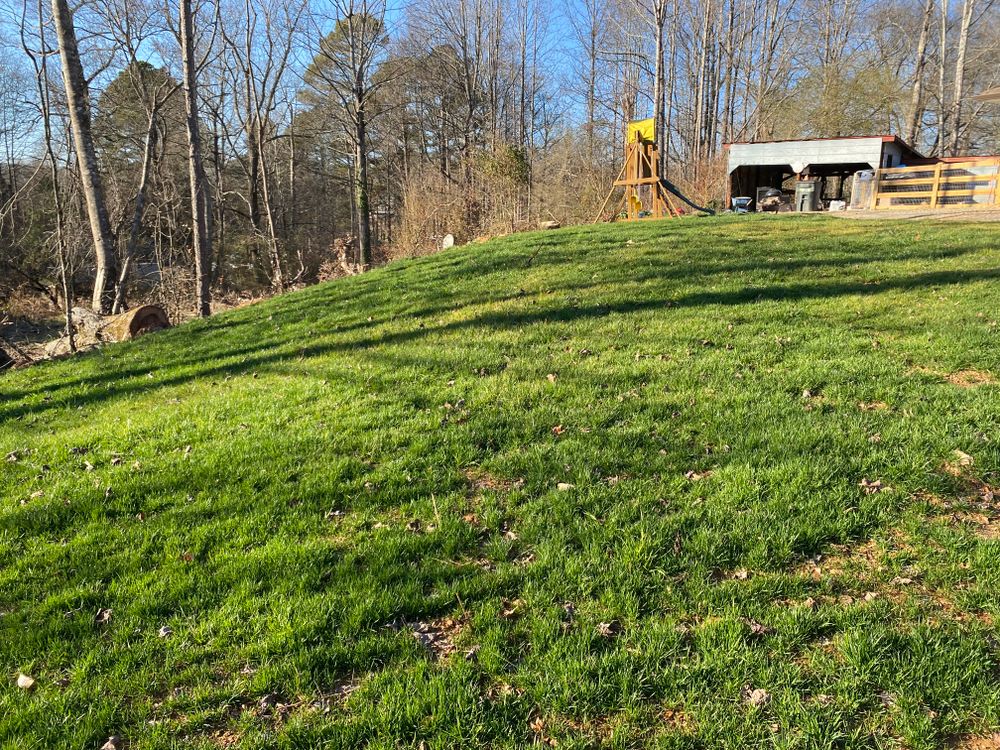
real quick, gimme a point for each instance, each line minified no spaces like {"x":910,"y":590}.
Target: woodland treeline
{"x":187,"y":150}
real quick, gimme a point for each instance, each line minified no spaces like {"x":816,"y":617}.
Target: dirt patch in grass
{"x":977,"y":506}
{"x":992,"y":742}
{"x":677,"y":720}
{"x":863,"y":558}
{"x":481,"y":481}
{"x":226,"y":738}
{"x":597,"y":731}
{"x":861,"y":574}
{"x":873,"y":406}
{"x":979,"y":512}
{"x":970,"y":378}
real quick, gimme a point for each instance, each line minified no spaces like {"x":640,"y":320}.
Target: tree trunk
{"x":916,"y":99}
{"x":361,"y":188}
{"x":62,"y":256}
{"x":968,"y":7}
{"x":277,"y":277}
{"x":942,"y":123}
{"x":700,"y":103}
{"x":201,"y":239}
{"x":140,"y":205}
{"x":659,"y":121}
{"x":669,"y":104}
{"x":86,"y":154}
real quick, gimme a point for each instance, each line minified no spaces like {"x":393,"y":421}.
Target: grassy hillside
{"x":711,"y":483}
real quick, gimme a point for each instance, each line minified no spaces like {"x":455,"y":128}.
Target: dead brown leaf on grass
{"x":609,"y":629}
{"x":503,"y":690}
{"x":540,"y":730}
{"x":438,"y":636}
{"x":697,"y":476}
{"x":757,"y":629}
{"x":511,"y":608}
{"x":873,"y":486}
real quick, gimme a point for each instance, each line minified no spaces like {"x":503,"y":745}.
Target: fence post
{"x":937,"y":185}
{"x":996,"y":182}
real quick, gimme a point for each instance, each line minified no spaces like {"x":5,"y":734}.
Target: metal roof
{"x":885,"y":138}
{"x":799,"y":153}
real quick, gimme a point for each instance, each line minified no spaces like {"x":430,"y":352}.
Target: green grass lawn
{"x":710,"y":483}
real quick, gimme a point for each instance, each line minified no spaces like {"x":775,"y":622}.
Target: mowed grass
{"x":597,"y":487}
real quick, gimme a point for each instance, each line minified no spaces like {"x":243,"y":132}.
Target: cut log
{"x":549,"y":225}
{"x":133,"y":323}
{"x":93,"y":329}
{"x":122,"y":327}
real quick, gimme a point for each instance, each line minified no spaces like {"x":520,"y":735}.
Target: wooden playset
{"x":645,"y":194}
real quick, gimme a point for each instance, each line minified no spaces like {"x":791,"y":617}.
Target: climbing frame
{"x":644,"y":195}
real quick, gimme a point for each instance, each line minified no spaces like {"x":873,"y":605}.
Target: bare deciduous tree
{"x":201,"y":210}
{"x":90,"y":174}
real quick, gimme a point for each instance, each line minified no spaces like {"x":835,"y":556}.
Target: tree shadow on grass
{"x":252,"y":358}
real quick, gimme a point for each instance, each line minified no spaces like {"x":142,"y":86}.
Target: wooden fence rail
{"x":975,"y":182}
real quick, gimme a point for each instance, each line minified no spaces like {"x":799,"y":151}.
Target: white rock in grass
{"x":565,"y":486}
{"x":756,"y":697}
{"x":25,"y":682}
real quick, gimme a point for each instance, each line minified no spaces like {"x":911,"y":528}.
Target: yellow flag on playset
{"x":641,"y":130}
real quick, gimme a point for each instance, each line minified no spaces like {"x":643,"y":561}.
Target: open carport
{"x":762,"y":165}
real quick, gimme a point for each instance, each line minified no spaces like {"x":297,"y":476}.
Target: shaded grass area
{"x":599,"y":487}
